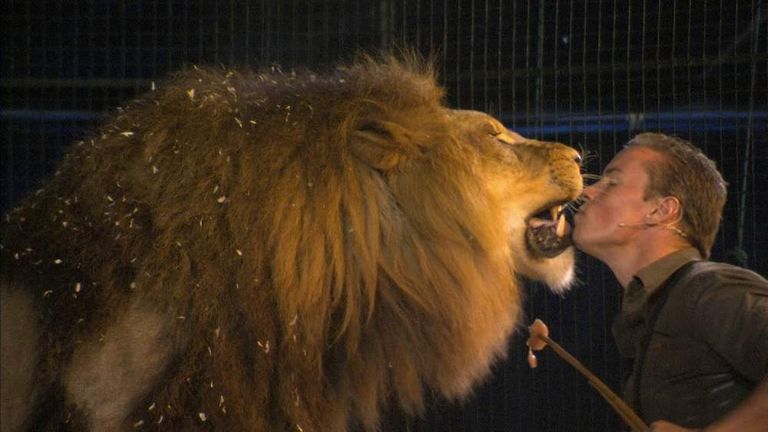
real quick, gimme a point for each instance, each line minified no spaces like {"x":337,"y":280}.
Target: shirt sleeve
{"x":730,"y":309}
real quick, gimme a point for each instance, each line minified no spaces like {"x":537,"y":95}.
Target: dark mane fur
{"x":299,"y":293}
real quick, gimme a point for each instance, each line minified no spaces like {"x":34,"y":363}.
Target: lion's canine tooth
{"x":560,"y":231}
{"x":555,"y":212}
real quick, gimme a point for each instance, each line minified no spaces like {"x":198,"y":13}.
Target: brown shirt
{"x":708,"y":347}
{"x":648,"y":280}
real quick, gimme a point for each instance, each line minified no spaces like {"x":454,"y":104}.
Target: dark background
{"x":589,"y":73}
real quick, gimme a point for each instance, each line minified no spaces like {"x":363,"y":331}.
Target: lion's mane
{"x":307,"y":249}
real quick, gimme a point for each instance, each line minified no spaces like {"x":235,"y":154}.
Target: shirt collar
{"x":654,"y":274}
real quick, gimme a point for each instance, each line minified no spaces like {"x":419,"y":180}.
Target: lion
{"x":270,"y":251}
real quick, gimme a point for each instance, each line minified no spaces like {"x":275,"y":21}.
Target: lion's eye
{"x":498,"y":131}
{"x":491,"y":128}
{"x":508,"y":137}
{"x":505,"y":139}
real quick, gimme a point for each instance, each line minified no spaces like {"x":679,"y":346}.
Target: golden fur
{"x":270,"y":251}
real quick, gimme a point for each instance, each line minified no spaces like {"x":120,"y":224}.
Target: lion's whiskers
{"x":573,"y":206}
{"x":586,"y":155}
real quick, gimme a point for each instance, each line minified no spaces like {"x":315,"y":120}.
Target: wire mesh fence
{"x":588,"y":73}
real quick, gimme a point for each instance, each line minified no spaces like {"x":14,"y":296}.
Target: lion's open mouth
{"x":548,"y":233}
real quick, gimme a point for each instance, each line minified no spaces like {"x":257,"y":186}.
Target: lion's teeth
{"x":560,"y":230}
{"x":555,"y":212}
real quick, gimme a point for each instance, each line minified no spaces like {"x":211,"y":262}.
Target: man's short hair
{"x":684,"y":172}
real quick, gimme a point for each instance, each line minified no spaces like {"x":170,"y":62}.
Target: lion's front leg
{"x":108,"y":376}
{"x":19,"y":332}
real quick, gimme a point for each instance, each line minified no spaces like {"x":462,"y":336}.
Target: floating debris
{"x":263,"y":345}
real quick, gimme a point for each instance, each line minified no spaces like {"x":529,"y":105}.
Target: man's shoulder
{"x":710,"y":294}
{"x":711,"y":273}
{"x":711,"y":283}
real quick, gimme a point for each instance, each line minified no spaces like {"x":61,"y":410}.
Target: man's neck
{"x":628,"y":261}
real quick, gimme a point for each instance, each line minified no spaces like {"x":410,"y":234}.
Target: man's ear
{"x":668,"y":211}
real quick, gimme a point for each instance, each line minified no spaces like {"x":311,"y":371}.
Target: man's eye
{"x":606,"y":183}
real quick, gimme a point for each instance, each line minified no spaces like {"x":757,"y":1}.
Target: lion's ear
{"x":384,"y":145}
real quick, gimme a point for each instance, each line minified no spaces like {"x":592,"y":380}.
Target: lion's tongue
{"x":560,"y":226}
{"x":548,"y":238}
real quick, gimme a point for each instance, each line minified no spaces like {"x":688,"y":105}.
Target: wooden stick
{"x":626,"y":413}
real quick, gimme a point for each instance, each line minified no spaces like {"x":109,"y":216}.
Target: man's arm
{"x":751,"y":415}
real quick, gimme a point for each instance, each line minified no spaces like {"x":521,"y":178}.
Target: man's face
{"x":615,"y":200}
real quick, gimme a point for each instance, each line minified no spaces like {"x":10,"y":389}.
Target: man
{"x":697,"y":330}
